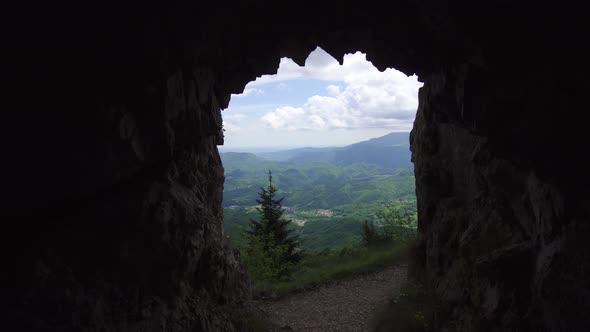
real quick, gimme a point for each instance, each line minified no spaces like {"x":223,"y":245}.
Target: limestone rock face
{"x":501,"y":234}
{"x":112,"y":216}
{"x":147,"y":251}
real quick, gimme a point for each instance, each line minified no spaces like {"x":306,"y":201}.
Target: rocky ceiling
{"x":113,"y":217}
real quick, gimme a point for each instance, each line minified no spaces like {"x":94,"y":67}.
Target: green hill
{"x":391,"y":151}
{"x":312,"y":185}
{"x":328,"y":196}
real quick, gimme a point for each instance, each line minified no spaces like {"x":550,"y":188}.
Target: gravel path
{"x":344,"y":306}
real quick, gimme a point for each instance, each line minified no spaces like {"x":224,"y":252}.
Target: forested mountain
{"x":328,"y":192}
{"x":312,"y":185}
{"x":391,"y":139}
{"x":391,"y":151}
{"x":287,"y":155}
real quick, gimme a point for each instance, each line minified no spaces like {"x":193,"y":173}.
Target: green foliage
{"x":272,"y":229}
{"x":334,"y":233}
{"x":265,"y":259}
{"x":319,"y":231}
{"x":235,"y":222}
{"x":399,"y":224}
{"x":412,"y":311}
{"x":271,"y":249}
{"x":316,"y":269}
{"x":370,"y":234}
{"x":352,"y":193}
{"x":314,"y":185}
{"x":326,"y":203}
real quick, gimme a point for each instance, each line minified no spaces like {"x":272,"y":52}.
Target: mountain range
{"x":328,"y":192}
{"x":377,"y":169}
{"x":390,"y":151}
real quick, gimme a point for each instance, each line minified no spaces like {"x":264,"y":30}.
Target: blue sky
{"x":320,"y":104}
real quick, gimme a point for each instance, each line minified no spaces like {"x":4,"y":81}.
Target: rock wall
{"x":502,"y":201}
{"x":145,"y":250}
{"x":112,"y":217}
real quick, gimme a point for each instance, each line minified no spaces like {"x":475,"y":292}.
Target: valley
{"x":328,"y":192}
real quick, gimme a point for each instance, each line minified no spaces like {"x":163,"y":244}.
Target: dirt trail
{"x":346,"y":305}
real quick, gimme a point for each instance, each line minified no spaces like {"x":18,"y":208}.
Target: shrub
{"x":265,"y":259}
{"x":398,"y":225}
{"x":369,"y":234}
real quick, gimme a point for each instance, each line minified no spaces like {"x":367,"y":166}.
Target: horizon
{"x":277,"y":148}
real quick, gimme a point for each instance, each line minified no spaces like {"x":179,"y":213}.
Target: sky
{"x":320,"y":104}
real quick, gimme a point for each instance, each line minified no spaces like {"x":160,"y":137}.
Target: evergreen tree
{"x":272,"y":229}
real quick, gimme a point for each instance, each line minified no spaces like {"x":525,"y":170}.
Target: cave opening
{"x":336,"y":138}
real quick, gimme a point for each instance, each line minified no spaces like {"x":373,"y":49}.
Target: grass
{"x":412,"y":311}
{"x":317,"y":269}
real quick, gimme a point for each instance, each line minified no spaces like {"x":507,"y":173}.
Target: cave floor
{"x":347,"y":305}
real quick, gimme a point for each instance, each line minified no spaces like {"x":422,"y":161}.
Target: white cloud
{"x":249,"y":92}
{"x":230,"y":123}
{"x":333,"y":90}
{"x":371,"y":99}
{"x":284,"y":117}
{"x":320,"y":66}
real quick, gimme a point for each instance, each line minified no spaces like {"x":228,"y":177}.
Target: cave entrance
{"x":336,"y":138}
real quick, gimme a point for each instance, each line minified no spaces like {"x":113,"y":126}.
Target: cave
{"x":113,"y":181}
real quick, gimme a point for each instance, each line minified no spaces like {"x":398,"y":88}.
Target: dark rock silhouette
{"x":112,"y":216}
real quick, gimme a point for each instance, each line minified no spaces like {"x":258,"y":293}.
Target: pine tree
{"x":272,"y":229}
